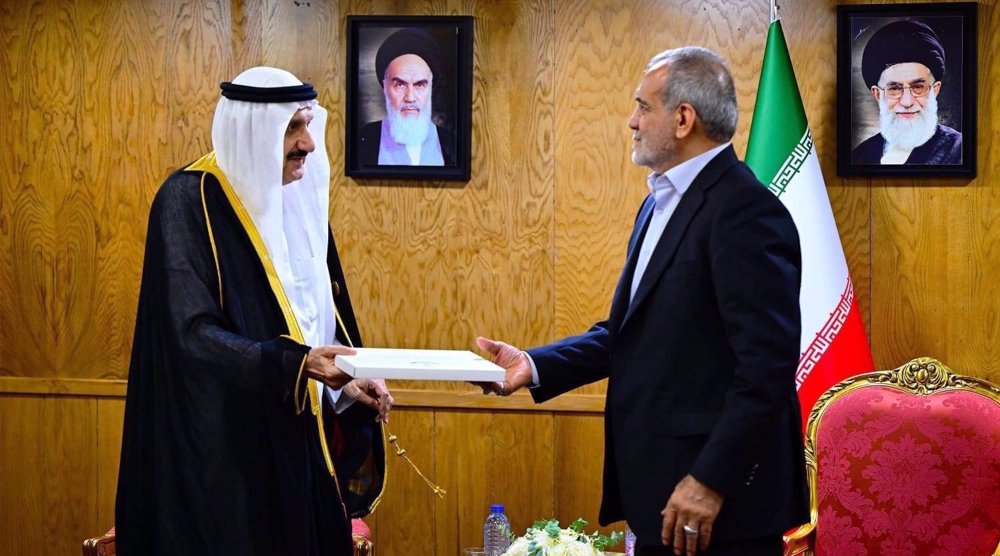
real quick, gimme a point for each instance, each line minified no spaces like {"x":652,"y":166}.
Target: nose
{"x":907,"y":99}
{"x":408,"y":94}
{"x":306,"y":142}
{"x":633,"y":120}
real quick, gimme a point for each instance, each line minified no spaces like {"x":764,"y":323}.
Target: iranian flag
{"x":782,"y":155}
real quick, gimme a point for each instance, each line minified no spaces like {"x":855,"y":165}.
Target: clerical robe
{"x":944,"y":147}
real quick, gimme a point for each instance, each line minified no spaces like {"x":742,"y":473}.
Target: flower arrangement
{"x":546,"y":538}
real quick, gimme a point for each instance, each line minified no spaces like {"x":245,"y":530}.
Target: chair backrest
{"x":906,"y":461}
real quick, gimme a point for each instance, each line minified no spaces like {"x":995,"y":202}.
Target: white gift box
{"x":419,"y":364}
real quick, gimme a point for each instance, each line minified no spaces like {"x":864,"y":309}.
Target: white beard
{"x":409,"y":130}
{"x":908,"y":134}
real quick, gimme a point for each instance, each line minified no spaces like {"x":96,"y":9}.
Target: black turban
{"x":407,"y":41}
{"x":898,"y":43}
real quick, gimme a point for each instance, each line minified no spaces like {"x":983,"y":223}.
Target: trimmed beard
{"x":409,"y":130}
{"x":905,"y":134}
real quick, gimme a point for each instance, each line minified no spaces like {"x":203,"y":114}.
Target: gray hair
{"x":702,"y":79}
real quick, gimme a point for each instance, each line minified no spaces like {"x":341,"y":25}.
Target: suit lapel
{"x":619,"y":303}
{"x":678,"y":224}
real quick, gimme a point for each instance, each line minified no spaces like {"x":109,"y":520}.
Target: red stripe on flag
{"x":846,"y":354}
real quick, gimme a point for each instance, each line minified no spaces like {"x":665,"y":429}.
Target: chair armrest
{"x":100,"y":546}
{"x":799,"y":540}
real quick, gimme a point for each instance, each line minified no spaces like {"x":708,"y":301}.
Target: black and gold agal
{"x":247,"y":93}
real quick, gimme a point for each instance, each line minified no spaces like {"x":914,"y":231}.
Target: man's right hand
{"x":319,"y":365}
{"x":513,"y":360}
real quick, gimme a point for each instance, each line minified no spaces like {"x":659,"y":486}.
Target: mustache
{"x":411,"y":106}
{"x":296,"y":154}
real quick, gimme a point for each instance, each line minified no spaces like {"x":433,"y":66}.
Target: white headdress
{"x":248,"y":137}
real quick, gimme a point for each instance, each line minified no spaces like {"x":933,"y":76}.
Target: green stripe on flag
{"x":779,"y":120}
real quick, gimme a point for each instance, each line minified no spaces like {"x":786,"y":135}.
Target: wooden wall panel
{"x":48,"y":494}
{"x":104,"y":99}
{"x":110,"y":418}
{"x":524,"y":467}
{"x":464,"y":465}
{"x":404,"y":518}
{"x":108,"y":98}
{"x":512,"y":254}
{"x":29,"y":188}
{"x":437,"y":266}
{"x":936,"y":249}
{"x":598,"y":189}
{"x":577,"y":467}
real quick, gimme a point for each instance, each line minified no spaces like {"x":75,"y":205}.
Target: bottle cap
{"x":496,"y":508}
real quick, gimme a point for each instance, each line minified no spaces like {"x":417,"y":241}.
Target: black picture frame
{"x":860,"y":144}
{"x":449,"y":55}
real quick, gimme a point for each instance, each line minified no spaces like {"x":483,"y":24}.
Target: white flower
{"x":546,"y":538}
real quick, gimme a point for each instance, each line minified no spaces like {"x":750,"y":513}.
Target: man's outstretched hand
{"x":513,"y":360}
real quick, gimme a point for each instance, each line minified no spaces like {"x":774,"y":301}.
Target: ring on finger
{"x":689,"y":530}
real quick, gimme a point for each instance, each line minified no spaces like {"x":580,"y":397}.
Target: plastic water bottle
{"x":496,"y":532}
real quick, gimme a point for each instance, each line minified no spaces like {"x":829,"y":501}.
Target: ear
{"x":684,"y":120}
{"x":936,"y":87}
{"x":877,"y":93}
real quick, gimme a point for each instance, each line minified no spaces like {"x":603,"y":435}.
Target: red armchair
{"x":903,"y":462}
{"x":104,"y":545}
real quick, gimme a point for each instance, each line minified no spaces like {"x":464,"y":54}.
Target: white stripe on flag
{"x":824,"y":269}
{"x":822,"y":340}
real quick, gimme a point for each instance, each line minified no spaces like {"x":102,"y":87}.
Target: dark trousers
{"x":766,"y":546}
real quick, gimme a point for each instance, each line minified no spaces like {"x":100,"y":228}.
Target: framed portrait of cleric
{"x":906,"y":89}
{"x":409,"y":97}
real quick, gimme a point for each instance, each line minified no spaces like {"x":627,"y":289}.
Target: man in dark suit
{"x":703,"y":450}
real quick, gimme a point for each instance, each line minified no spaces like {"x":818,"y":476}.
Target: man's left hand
{"x":692,"y":506}
{"x":372,"y":392}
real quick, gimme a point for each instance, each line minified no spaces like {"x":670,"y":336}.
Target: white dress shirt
{"x":667,"y":189}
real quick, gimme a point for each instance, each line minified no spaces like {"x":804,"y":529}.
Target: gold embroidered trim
{"x":385,"y":473}
{"x":340,"y":322}
{"x":209,"y":164}
{"x":314,"y":392}
{"x":300,"y":404}
{"x":211,"y":240}
{"x":392,"y":438}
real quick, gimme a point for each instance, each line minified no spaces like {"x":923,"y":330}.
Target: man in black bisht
{"x":903,"y":64}
{"x":241,"y":435}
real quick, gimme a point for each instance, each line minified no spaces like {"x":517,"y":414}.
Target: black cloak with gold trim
{"x":225,"y":449}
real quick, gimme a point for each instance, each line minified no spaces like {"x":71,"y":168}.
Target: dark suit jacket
{"x":701,"y":365}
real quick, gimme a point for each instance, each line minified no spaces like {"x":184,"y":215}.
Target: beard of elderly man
{"x":408,"y":87}
{"x":904,"y":65}
{"x":910,"y":120}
